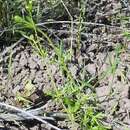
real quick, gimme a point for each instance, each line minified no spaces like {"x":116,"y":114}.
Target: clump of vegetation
{"x":22,"y":18}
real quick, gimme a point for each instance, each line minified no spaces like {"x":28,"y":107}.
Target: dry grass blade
{"x":85,"y":23}
{"x":72,"y":23}
{"x":12,"y":117}
{"x":7,"y":106}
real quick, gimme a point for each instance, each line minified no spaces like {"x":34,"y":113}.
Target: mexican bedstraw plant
{"x":80,"y":107}
{"x":26,"y":22}
{"x":63,"y":58}
{"x":29,"y":29}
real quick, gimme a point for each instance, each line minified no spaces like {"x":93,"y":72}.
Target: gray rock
{"x":31,"y":63}
{"x":91,"y":68}
{"x":23,"y":60}
{"x":102,"y":92}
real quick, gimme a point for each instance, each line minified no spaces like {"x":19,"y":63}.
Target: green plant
{"x":80,"y":106}
{"x":81,"y":18}
{"x":27,"y":27}
{"x":113,"y":62}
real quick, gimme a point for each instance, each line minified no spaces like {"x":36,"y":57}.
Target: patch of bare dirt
{"x":99,"y":41}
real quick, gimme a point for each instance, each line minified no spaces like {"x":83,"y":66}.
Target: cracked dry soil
{"x":98,"y":43}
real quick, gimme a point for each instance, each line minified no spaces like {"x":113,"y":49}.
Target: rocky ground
{"x":104,"y":54}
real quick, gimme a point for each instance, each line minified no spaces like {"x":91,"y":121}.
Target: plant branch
{"x":23,"y":112}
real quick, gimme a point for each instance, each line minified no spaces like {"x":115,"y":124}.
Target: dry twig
{"x":23,"y":112}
